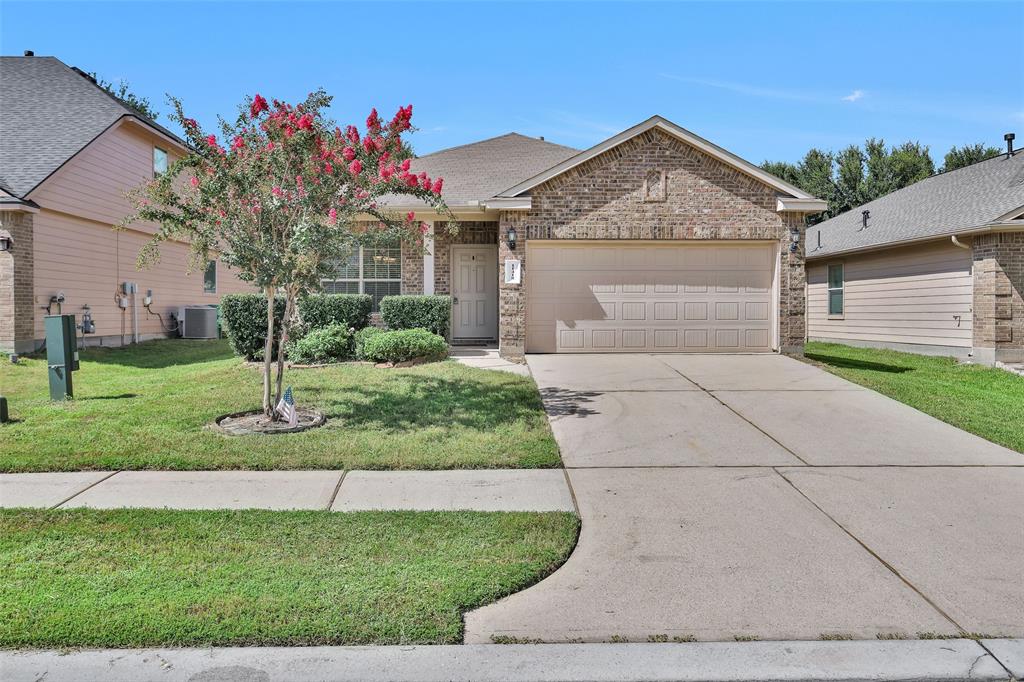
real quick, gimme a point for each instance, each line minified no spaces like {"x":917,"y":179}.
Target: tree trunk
{"x":286,"y":324}
{"x":268,"y":354}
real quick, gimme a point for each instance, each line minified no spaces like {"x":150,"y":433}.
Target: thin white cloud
{"x":745,"y":89}
{"x":854,"y":96}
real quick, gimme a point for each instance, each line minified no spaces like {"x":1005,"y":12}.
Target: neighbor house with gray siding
{"x":934,"y":268}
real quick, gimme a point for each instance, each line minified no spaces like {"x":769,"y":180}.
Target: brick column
{"x":512,"y":297}
{"x":17,"y":284}
{"x":792,"y":289}
{"x":998,"y":304}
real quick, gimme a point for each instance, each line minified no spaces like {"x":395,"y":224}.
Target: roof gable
{"x":670,"y":128}
{"x":49,"y":113}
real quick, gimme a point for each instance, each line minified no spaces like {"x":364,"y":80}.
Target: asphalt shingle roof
{"x":48,"y":113}
{"x":942,"y":204}
{"x":481,"y":170}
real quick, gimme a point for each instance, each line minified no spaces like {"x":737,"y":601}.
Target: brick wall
{"x":604,"y":198}
{"x":469,"y":232}
{"x":17,"y":284}
{"x":998,"y":302}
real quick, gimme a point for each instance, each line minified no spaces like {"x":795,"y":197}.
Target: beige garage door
{"x":607,"y":297}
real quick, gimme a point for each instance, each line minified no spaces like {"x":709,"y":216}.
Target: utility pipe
{"x":956,"y":242}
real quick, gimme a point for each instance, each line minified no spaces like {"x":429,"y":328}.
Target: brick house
{"x":654,"y":240}
{"x":68,"y":153}
{"x":935,"y":268}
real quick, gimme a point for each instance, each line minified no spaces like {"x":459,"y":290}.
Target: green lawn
{"x":148,"y":407}
{"x":133,"y":578}
{"x":987,"y":402}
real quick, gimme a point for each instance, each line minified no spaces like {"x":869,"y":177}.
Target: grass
{"x":149,"y":406}
{"x":133,"y":578}
{"x":985,"y":401}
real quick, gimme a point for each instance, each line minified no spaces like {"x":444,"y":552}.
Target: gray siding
{"x":912,"y":296}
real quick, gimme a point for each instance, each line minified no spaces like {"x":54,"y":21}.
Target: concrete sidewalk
{"x":932,"y":660}
{"x":475,"y":490}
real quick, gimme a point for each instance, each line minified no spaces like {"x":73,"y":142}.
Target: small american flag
{"x":286,"y":408}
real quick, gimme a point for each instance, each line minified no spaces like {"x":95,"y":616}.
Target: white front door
{"x":474,"y":292}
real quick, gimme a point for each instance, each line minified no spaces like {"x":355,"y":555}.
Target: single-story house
{"x":655,"y":240}
{"x":935,"y":268}
{"x":68,"y":153}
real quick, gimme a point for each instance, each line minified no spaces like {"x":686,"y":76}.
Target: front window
{"x":210,"y":277}
{"x":835,"y":289}
{"x":159,"y":161}
{"x":373,"y":270}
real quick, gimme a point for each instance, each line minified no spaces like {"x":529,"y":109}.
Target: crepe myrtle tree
{"x":277,"y":195}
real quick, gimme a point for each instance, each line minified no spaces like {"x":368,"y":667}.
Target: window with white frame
{"x":376,"y":271}
{"x":159,"y":161}
{"x":210,"y":277}
{"x":836,"y":285}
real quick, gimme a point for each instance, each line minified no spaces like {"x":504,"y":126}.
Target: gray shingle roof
{"x":48,"y":113}
{"x":942,"y":204}
{"x":480,"y":170}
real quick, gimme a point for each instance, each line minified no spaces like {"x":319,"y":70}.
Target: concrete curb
{"x":849,"y":661}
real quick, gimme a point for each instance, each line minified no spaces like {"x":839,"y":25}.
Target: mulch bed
{"x":255,"y":422}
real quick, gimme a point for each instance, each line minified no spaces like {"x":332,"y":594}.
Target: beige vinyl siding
{"x":88,"y":262}
{"x":920,"y":295}
{"x":93,"y":183}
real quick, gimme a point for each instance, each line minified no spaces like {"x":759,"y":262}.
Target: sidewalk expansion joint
{"x":91,"y":485}
{"x":337,"y":489}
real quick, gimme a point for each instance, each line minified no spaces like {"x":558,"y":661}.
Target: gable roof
{"x":480,"y":170}
{"x":961,"y":200}
{"x":667,"y":126}
{"x":48,"y":113}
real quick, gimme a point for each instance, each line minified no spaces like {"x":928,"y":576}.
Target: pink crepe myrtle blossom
{"x":238,"y":142}
{"x":211,"y":140}
{"x":194,"y":182}
{"x":328,"y":168}
{"x":405,"y":165}
{"x":332,"y":216}
{"x":258,"y":106}
{"x":438,"y":184}
{"x":356,"y":167}
{"x":348,"y":153}
{"x":352,"y":133}
{"x":305,"y":122}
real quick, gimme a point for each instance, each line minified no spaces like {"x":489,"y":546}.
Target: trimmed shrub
{"x":321,"y":310}
{"x":361,"y":337}
{"x":245,"y":323}
{"x":332,"y":343}
{"x":245,"y":318}
{"x":432,"y":313}
{"x":403,"y":345}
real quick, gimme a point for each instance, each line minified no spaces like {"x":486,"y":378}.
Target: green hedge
{"x":245,"y":318}
{"x":432,"y":313}
{"x":350,"y":310}
{"x":404,"y":344}
{"x":332,"y":343}
{"x":361,"y":337}
{"x":245,"y":323}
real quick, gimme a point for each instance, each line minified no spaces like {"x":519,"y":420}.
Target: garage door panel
{"x":670,"y":297}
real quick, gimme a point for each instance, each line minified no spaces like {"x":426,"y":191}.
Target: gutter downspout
{"x":957,"y":242}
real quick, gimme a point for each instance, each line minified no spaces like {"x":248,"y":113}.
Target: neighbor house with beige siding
{"x":68,"y":153}
{"x":934,"y":268}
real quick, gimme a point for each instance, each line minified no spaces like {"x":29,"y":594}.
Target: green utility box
{"x":61,"y":354}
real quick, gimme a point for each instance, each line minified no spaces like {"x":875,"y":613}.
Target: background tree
{"x":855,"y":175}
{"x":958,"y":157}
{"x":124,"y":94}
{"x":279,"y":200}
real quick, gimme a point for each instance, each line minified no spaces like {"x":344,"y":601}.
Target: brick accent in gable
{"x":603,"y":198}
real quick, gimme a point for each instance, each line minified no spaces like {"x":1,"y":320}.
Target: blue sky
{"x":765,"y":80}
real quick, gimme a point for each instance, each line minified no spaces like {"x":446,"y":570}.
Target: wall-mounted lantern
{"x":511,"y":238}
{"x":794,"y":239}
{"x":5,"y":240}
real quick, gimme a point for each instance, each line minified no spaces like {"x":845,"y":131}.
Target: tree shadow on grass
{"x":849,"y":363}
{"x":120,"y":396}
{"x":160,"y":354}
{"x":420,"y":401}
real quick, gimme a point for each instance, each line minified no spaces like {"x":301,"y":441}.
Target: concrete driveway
{"x":755,"y":496}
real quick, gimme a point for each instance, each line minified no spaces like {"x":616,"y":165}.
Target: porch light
{"x":794,"y":238}
{"x":5,"y":240}
{"x":511,"y":237}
